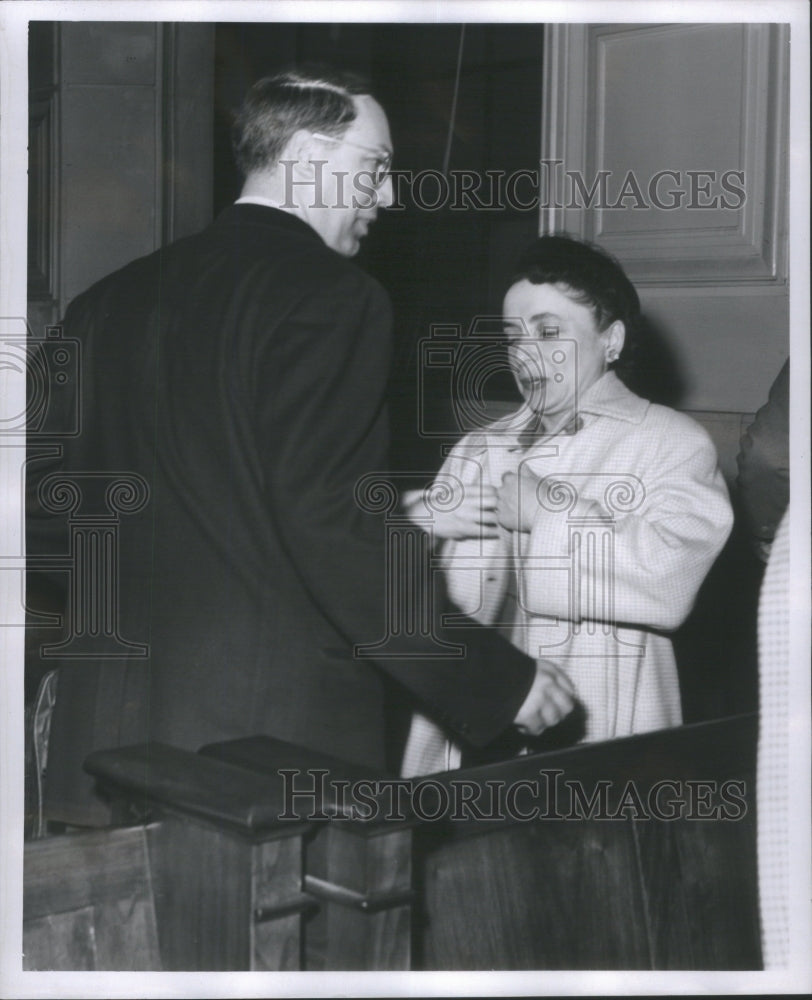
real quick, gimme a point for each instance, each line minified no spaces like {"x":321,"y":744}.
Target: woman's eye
{"x":548,"y":332}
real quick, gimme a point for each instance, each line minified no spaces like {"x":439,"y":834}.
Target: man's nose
{"x":386,"y":194}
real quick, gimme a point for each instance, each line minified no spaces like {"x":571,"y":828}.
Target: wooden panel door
{"x":667,"y":145}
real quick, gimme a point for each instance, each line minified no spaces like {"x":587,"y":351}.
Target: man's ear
{"x":301,"y":148}
{"x":615,"y":336}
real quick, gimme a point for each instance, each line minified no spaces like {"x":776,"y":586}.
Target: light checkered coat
{"x":632,"y":512}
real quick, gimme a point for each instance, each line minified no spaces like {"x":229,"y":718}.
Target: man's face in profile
{"x":349,"y":200}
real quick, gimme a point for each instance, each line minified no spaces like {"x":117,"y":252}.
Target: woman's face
{"x":555,"y":349}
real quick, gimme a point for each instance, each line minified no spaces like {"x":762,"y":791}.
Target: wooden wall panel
{"x":109,"y":184}
{"x":107,"y":53}
{"x":88,"y":903}
{"x":724,"y":345}
{"x":641,"y":879}
{"x":43,"y":174}
{"x":60,"y":941}
{"x":553,"y":896}
{"x":690,"y":862}
{"x":41,"y":153}
{"x":121,"y":149}
{"x":202,"y":896}
{"x":628,"y":99}
{"x":636,"y":853}
{"x":276,"y":945}
{"x":351,"y":864}
{"x":706,"y":102}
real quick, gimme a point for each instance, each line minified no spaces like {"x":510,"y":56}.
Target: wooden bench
{"x":258,"y":855}
{"x":88,"y":902}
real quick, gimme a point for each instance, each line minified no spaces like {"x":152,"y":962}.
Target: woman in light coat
{"x":582,"y":525}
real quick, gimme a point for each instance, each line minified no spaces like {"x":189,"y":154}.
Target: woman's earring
{"x":611,"y":355}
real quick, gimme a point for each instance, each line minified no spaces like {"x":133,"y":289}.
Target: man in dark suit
{"x":240,"y":374}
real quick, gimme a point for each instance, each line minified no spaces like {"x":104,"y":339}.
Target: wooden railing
{"x":254,"y":854}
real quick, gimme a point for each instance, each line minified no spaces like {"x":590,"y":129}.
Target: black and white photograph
{"x":405,"y":555}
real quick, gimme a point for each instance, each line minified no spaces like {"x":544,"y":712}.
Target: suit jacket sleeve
{"x":323,"y":430}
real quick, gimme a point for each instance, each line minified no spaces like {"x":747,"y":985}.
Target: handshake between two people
{"x":480,"y":513}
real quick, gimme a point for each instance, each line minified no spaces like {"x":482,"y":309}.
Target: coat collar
{"x":266,"y":217}
{"x":608,"y":397}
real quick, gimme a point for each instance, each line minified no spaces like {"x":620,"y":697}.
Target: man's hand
{"x":473,"y":517}
{"x":517,"y":501}
{"x":551,"y":697}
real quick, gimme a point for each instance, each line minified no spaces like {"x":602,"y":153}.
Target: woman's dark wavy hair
{"x":313,"y":97}
{"x":591,"y":276}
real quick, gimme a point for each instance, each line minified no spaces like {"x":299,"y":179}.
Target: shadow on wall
{"x":652,"y":370}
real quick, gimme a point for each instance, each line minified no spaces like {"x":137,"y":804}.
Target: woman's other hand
{"x":517,"y":501}
{"x":473,"y":516}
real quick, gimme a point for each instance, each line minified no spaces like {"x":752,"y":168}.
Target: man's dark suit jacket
{"x":241,"y":372}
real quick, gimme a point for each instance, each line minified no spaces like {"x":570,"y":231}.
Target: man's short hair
{"x":593,"y":277}
{"x":317,"y":99}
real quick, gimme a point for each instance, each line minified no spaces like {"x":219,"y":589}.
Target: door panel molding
{"x":699,"y":100}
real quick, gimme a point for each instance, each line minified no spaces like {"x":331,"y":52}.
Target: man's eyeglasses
{"x":383,"y":161}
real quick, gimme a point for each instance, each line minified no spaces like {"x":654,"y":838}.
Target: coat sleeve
{"x":643,"y":567}
{"x":763,"y":461}
{"x":324,"y":429}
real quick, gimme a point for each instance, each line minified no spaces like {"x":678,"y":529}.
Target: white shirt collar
{"x":256,"y":199}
